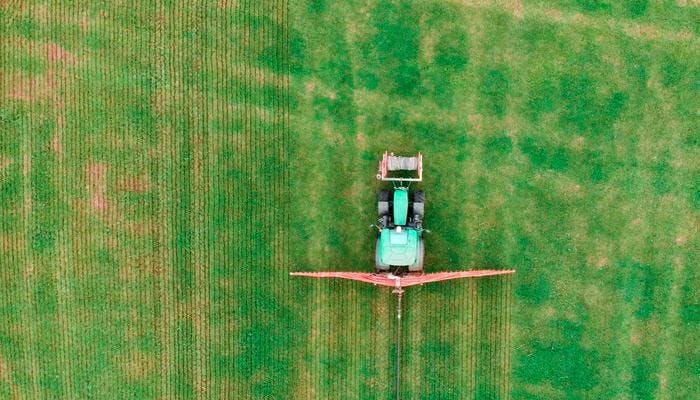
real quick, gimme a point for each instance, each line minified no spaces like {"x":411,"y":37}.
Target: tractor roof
{"x":399,"y":248}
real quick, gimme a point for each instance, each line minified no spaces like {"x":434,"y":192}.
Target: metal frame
{"x":383,"y":173}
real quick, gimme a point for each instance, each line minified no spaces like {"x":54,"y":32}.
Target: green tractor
{"x":400,"y":247}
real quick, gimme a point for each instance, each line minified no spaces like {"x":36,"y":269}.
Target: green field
{"x":164,"y":166}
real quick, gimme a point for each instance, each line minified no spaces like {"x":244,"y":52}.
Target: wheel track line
{"x":483,"y":325}
{"x":280,"y":265}
{"x":635,"y":30}
{"x":16,"y":261}
{"x":492,"y":338}
{"x":266,"y":131}
{"x":185,"y":365}
{"x":417,"y":329}
{"x":316,"y":345}
{"x":668,"y":350}
{"x":79,"y":247}
{"x":475,"y":334}
{"x":286,"y":137}
{"x":164,"y":145}
{"x":63,"y":295}
{"x":250,"y":160}
{"x":245,"y":322}
{"x":509,"y":338}
{"x":28,"y":261}
{"x":282,"y":160}
{"x":227,"y":258}
{"x":201,"y":173}
{"x":119,"y":292}
{"x":253,"y":210}
{"x":150,"y":211}
{"x":501,"y":337}
{"x":498,"y":334}
{"x":358,"y":345}
{"x":358,"y":205}
{"x":233,"y":260}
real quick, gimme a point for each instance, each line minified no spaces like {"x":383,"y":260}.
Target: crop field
{"x":164,"y":166}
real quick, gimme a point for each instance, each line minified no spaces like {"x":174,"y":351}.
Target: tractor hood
{"x":400,"y":206}
{"x":399,"y":248}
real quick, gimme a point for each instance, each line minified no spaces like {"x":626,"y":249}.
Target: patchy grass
{"x":547,"y":144}
{"x":163,"y":168}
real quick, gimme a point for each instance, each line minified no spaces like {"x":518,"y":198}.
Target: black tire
{"x":419,"y":205}
{"x":419,"y":196}
{"x":384,"y":195}
{"x":383,"y":203}
{"x":382,"y":208}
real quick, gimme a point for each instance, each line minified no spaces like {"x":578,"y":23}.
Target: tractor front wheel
{"x":419,"y":204}
{"x":383,"y":203}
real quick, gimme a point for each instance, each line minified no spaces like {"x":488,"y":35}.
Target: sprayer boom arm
{"x":390,"y":280}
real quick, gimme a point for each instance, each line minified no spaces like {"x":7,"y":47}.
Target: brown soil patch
{"x":40,"y":12}
{"x":332,"y":135}
{"x":578,"y":143}
{"x":428,"y":43}
{"x":681,"y":240}
{"x":5,"y":162}
{"x":135,"y":184}
{"x":26,"y":170}
{"x":260,"y":75}
{"x":84,"y":23}
{"x":56,"y":144}
{"x":4,"y":372}
{"x":228,"y":3}
{"x":11,"y":243}
{"x":361,"y":140}
{"x":127,"y":275}
{"x":56,"y":54}
{"x":38,"y":87}
{"x":518,"y":8}
{"x":554,"y":14}
{"x":159,"y":101}
{"x":310,"y":87}
{"x":476,"y":121}
{"x":635,"y":339}
{"x":140,"y":228}
{"x":138,"y":366}
{"x":643,"y":31}
{"x":97,"y":175}
{"x":602,"y":262}
{"x":112,"y":243}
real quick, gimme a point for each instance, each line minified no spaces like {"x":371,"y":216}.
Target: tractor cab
{"x":400,"y":211}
